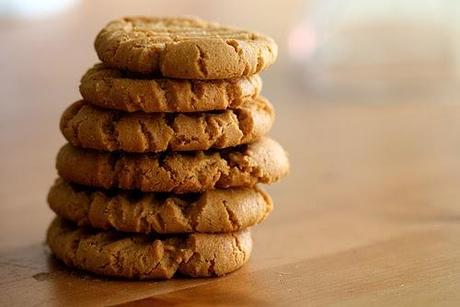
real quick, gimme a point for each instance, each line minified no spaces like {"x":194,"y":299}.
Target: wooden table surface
{"x":369,"y":216}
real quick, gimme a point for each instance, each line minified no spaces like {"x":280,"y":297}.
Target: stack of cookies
{"x":165,"y":151}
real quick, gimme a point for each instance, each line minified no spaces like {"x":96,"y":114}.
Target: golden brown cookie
{"x":186,"y":48}
{"x":226,"y":210}
{"x":134,"y":256}
{"x":262,"y":162}
{"x":124,"y":91}
{"x":87,"y":126}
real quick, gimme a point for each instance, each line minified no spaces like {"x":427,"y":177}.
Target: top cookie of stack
{"x":185,"y":48}
{"x":169,"y":138}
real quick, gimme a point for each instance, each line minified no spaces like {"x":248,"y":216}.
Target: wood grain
{"x":368,"y":216}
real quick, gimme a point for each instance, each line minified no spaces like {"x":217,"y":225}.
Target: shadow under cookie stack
{"x":165,"y":151}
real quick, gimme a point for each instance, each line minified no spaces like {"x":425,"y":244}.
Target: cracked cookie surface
{"x":264,"y":161}
{"x":87,"y":126}
{"x":134,"y":256}
{"x":186,"y":48}
{"x":226,"y":210}
{"x":120,"y":90}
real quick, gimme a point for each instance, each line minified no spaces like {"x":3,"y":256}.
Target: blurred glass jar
{"x":386,"y":46}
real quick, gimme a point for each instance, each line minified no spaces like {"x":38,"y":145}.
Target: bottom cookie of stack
{"x":141,"y":256}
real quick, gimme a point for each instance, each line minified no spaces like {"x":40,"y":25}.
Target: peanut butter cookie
{"x":186,"y":48}
{"x":264,"y":161}
{"x":115,"y":89}
{"x":226,"y":210}
{"x":87,"y":126}
{"x":134,"y":256}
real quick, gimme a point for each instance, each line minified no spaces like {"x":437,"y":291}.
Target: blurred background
{"x":355,"y":84}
